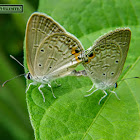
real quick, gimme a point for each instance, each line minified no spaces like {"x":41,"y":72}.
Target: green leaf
{"x":71,"y":115}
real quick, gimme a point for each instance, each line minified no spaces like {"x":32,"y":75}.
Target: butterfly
{"x":51,"y":52}
{"x":104,"y":61}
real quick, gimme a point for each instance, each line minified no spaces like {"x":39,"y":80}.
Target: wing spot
{"x":50,"y":46}
{"x":117,"y":61}
{"x":87,"y":61}
{"x":91,"y":55}
{"x":79,"y":58}
{"x":112,"y":73}
{"x":39,"y":65}
{"x":77,"y":51}
{"x":104,"y":74}
{"x":42,"y":50}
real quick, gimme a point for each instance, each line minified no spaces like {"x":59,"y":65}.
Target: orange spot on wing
{"x":73,"y":50}
{"x":76,"y":54}
{"x":77,"y":59}
{"x":89,"y":58}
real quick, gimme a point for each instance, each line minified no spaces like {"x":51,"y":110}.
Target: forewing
{"x":38,"y":27}
{"x":58,"y":55}
{"x":105,"y":60}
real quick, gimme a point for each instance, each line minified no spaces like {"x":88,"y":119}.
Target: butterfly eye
{"x":29,"y":76}
{"x":116,"y":85}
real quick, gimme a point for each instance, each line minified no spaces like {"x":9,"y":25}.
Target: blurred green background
{"x":14,"y":118}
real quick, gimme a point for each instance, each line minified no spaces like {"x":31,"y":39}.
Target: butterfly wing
{"x":105,"y":60}
{"x":57,"y":55}
{"x":38,"y":27}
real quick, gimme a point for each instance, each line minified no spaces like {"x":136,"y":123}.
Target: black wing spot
{"x":91,"y":54}
{"x":50,"y":67}
{"x":117,"y":61}
{"x":79,"y":58}
{"x":112,"y":73}
{"x":39,"y":65}
{"x":74,"y":45}
{"x":42,"y":50}
{"x":69,"y":40}
{"x":103,"y":73}
{"x":77,"y":51}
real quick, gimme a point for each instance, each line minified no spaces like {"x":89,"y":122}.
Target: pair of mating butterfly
{"x":52,"y":52}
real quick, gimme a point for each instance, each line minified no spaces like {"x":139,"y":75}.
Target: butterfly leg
{"x":115,"y":94}
{"x":30,"y":85}
{"x":91,"y":88}
{"x":102,"y":97}
{"x":51,"y":90}
{"x":91,"y":93}
{"x":39,"y":88}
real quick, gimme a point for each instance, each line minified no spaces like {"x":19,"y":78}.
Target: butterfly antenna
{"x":17,"y":61}
{"x":12,"y":79}
{"x":129,"y":78}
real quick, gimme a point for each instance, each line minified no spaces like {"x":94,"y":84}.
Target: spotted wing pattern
{"x":38,"y":27}
{"x":105,"y":60}
{"x":57,"y":55}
